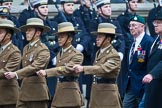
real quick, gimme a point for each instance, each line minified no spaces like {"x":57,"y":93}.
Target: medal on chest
{"x":31,"y":57}
{"x":141,"y":54}
{"x":160,"y":44}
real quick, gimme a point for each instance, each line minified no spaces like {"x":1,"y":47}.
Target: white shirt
{"x":138,"y":40}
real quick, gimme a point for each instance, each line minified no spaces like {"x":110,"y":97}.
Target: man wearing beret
{"x":131,"y":9}
{"x":34,"y":90}
{"x":105,"y":69}
{"x":10,"y":58}
{"x":137,"y":62}
{"x":154,"y":68}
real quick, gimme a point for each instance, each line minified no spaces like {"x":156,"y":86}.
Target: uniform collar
{"x":64,"y":50}
{"x":5,"y":46}
{"x":103,"y":49}
{"x":31,"y":44}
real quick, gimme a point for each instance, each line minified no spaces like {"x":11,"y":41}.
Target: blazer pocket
{"x":68,"y":95}
{"x":106,"y":94}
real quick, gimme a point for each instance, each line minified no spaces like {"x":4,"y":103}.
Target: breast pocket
{"x":3,"y":62}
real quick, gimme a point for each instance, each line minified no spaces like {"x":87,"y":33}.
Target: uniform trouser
{"x":8,"y":106}
{"x":32,"y":104}
{"x":130,"y":100}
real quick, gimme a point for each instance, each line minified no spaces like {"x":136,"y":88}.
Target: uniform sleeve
{"x":111,"y":64}
{"x":40,"y":62}
{"x":12,"y":63}
{"x":62,"y":70}
{"x":156,"y":72}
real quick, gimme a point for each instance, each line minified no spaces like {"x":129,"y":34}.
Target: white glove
{"x":80,"y":47}
{"x":121,"y":55}
{"x":54,"y":61}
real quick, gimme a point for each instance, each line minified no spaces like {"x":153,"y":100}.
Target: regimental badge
{"x":5,"y":10}
{"x":135,"y":18}
{"x":160,"y":44}
{"x":141,"y":54}
{"x":31,"y":57}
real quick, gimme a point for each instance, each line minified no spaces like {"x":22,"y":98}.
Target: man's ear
{"x":36,"y":9}
{"x":99,"y":10}
{"x":38,"y":32}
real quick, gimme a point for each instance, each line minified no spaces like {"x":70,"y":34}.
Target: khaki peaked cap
{"x":105,"y":28}
{"x":35,"y":23}
{"x":66,"y":27}
{"x":5,"y":23}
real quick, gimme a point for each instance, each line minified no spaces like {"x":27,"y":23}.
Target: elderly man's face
{"x":158,"y":26}
{"x":136,"y":28}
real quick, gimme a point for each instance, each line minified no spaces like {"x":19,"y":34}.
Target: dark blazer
{"x":153,"y":93}
{"x":137,"y":68}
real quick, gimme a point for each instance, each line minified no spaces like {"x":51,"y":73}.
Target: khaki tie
{"x":29,"y":46}
{"x":98,"y":54}
{"x":61,"y":52}
{"x":1,"y":49}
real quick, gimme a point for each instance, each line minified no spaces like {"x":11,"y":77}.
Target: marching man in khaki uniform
{"x":10,"y":59}
{"x":104,"y":92}
{"x":34,"y":91}
{"x":67,"y":94}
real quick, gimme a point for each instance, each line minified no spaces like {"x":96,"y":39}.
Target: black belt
{"x":68,"y":79}
{"x":105,"y":80}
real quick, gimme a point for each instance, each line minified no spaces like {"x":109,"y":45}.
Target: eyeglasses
{"x":157,"y":22}
{"x":132,"y":25}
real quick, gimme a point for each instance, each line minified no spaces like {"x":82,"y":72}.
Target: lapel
{"x":136,"y":51}
{"x":154,"y":48}
{"x":101,"y":55}
{"x":32,"y":48}
{"x":65,"y":54}
{"x":4,"y":52}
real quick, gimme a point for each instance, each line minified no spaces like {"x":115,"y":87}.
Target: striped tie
{"x":132,"y":52}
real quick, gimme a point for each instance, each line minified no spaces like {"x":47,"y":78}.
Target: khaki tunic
{"x":10,"y":60}
{"x":67,"y":93}
{"x":106,"y":65}
{"x":33,"y":88}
